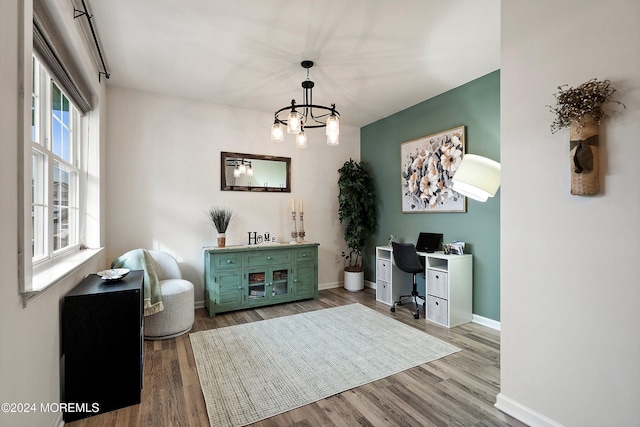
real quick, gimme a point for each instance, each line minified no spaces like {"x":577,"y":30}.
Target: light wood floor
{"x":458,"y":390}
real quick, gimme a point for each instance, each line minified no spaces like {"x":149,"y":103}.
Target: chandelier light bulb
{"x":301,"y":140}
{"x":294,"y":124}
{"x":249,"y":171}
{"x":333,"y":125}
{"x":277,"y":135}
{"x":333,"y":140}
{"x":242,"y":168}
{"x":236,"y":172}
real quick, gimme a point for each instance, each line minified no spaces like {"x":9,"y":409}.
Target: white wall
{"x":163,"y":172}
{"x":29,"y":337}
{"x":570,"y":293}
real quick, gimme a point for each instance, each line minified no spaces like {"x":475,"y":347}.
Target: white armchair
{"x":177,"y":298}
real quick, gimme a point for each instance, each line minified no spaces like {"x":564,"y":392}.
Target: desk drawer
{"x":383,"y":270}
{"x":383,"y":292}
{"x":268,"y":257}
{"x":437,"y":283}
{"x":438,"y":310}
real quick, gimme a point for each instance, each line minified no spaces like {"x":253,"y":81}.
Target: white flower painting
{"x":428,"y":165}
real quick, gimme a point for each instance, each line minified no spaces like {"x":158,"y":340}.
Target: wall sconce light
{"x":477,"y":177}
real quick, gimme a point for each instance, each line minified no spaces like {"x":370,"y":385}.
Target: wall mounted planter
{"x":584,"y":155}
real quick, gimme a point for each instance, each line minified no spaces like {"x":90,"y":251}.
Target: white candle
{"x":293,"y":205}
{"x":301,"y":209}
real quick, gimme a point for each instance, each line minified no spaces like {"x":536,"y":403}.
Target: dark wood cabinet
{"x":102,"y":345}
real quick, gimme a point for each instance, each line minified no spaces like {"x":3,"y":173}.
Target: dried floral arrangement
{"x":220,"y":218}
{"x":582,"y":101}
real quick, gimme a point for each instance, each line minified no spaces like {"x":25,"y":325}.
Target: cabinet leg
{"x":211,"y":312}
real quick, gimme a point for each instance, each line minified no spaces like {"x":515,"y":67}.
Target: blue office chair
{"x":407,"y":260}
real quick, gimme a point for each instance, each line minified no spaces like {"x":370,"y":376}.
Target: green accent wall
{"x":476,"y":105}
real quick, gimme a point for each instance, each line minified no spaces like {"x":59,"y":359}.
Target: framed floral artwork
{"x":428,"y":165}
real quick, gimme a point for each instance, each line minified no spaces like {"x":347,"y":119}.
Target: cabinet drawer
{"x":383,"y":270}
{"x":225,"y":261}
{"x":437,"y":283}
{"x":302,"y":255}
{"x":268,"y":257}
{"x":438,"y":310}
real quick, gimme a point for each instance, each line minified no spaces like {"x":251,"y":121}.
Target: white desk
{"x":448,"y":283}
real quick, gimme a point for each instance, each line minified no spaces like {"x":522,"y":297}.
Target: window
{"x":60,"y":151}
{"x":55,"y":168}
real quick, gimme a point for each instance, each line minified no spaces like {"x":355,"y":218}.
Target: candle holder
{"x":294,"y":230}
{"x":301,"y":233}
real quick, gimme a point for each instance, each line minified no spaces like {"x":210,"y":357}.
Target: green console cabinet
{"x":238,"y":277}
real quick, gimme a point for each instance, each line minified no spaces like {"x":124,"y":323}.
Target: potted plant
{"x":220,"y":219}
{"x":580,"y":109}
{"x":357,"y":212}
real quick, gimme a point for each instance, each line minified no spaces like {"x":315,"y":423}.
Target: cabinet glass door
{"x":257,"y":287}
{"x":280,"y":282}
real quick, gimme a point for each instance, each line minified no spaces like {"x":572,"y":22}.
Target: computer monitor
{"x":429,"y":242}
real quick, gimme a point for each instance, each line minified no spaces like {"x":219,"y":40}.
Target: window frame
{"x":42,"y":143}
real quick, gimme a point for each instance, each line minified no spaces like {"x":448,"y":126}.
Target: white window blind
{"x":51,"y":48}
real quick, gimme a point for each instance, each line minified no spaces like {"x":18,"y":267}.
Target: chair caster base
{"x":393,"y":309}
{"x":416,"y":316}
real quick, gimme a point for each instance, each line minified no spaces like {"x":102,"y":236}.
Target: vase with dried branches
{"x":220,"y":219}
{"x":580,"y":109}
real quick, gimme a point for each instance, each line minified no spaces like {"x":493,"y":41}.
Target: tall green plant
{"x":356,"y":209}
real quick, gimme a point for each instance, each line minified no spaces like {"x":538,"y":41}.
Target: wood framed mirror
{"x":254,"y":172}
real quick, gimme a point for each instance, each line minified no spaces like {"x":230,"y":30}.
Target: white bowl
{"x":113,"y":274}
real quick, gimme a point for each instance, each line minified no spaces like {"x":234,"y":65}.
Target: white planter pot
{"x":354,"y":280}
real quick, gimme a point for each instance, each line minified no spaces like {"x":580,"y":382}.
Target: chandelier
{"x":306,"y":116}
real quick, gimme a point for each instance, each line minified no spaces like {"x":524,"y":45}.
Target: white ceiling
{"x":372,"y":57}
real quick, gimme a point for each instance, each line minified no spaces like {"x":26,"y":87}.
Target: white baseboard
{"x":199,"y":304}
{"x":485,"y":321}
{"x":523,"y":413}
{"x":331,"y":285}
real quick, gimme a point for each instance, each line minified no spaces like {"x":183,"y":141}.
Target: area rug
{"x":256,"y":370}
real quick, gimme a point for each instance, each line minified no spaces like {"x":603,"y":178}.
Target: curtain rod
{"x":78,"y":13}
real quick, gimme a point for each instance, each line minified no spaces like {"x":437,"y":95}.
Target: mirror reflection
{"x":255,"y":172}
